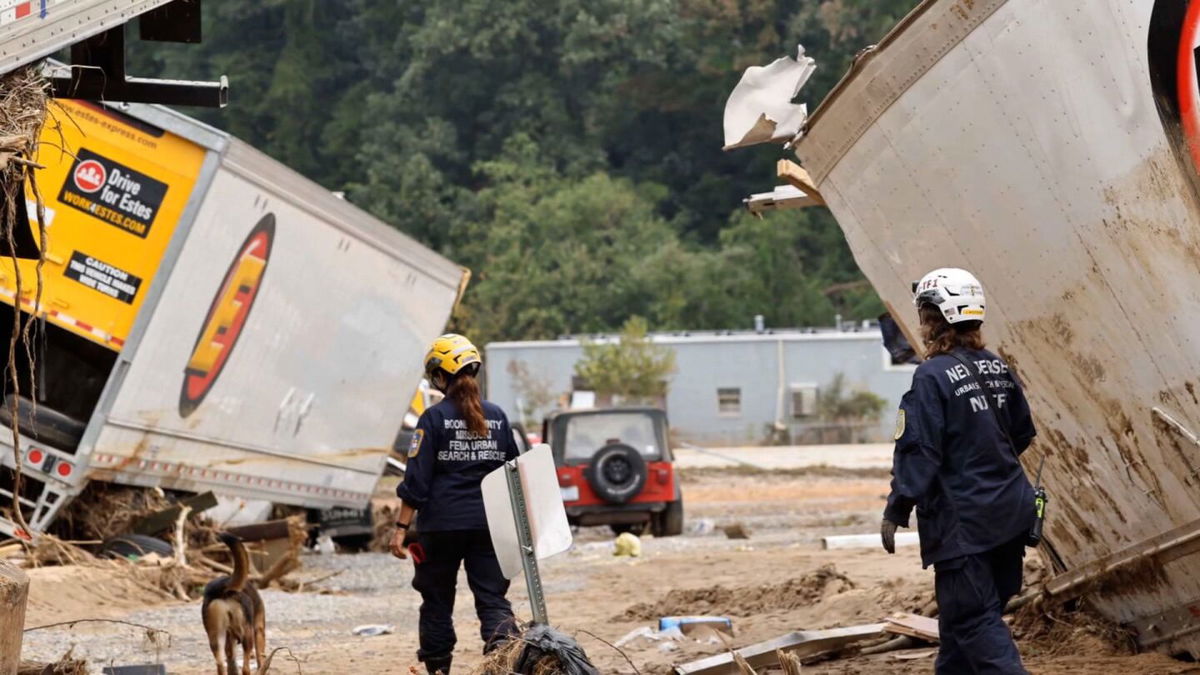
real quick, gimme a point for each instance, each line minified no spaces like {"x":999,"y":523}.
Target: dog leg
{"x":230,"y":658}
{"x":247,"y":651}
{"x":217,"y":644}
{"x":260,"y":639}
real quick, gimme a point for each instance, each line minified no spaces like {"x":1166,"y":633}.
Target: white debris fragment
{"x":760,"y":108}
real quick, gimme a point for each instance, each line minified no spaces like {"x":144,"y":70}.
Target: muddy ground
{"x":777,"y":581}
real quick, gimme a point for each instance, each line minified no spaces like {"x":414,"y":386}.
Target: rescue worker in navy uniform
{"x":959,"y":431}
{"x":456,"y":443}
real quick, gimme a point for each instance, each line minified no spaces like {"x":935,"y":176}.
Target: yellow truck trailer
{"x":209,"y":320}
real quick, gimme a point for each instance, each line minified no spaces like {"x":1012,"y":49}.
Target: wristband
{"x":402,"y":526}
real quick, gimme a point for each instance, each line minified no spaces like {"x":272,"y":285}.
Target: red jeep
{"x":614,"y":468}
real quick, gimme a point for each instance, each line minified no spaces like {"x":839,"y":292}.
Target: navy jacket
{"x":446,"y":463}
{"x":953,"y":462}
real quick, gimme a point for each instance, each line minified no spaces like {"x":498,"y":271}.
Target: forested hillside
{"x":568,"y":152}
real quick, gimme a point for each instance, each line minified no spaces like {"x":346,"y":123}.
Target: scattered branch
{"x":616,"y":648}
{"x":150,"y":631}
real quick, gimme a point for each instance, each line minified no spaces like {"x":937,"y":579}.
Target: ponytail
{"x":464,"y":391}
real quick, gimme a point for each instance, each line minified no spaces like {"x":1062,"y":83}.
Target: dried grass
{"x":1061,"y":630}
{"x":67,"y":665}
{"x":24,"y":105}
{"x":105,"y":510}
{"x":24,"y":99}
{"x":504,"y":661}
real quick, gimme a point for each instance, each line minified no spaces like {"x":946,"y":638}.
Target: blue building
{"x":729,"y":388}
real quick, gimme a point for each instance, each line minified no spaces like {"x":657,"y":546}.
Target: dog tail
{"x":241,"y":563}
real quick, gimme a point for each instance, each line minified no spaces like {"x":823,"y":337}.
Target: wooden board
{"x":160,"y":521}
{"x":14,"y":592}
{"x":912,"y":625}
{"x":803,"y":644}
{"x":797,"y":177}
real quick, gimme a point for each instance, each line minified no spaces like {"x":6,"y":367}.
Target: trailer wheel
{"x":354,"y":543}
{"x":134,"y":546}
{"x":48,"y":426}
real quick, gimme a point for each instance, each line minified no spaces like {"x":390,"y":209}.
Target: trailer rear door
{"x":114,"y":189}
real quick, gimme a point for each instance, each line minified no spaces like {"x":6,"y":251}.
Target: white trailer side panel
{"x":312,"y":352}
{"x":34,"y":29}
{"x":1021,"y":139}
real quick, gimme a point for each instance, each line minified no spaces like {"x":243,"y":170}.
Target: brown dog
{"x":233,"y":614}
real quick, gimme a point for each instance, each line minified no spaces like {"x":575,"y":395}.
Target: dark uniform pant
{"x":436,"y":577}
{"x":971,"y":594}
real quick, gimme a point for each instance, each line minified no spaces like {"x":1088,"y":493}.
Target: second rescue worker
{"x":959,"y":431}
{"x":456,"y":443}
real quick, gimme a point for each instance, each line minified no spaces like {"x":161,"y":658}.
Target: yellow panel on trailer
{"x":114,"y":188}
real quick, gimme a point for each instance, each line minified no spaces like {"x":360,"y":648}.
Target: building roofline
{"x":870,"y":334}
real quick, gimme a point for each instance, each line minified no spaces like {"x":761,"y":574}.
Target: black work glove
{"x":887,"y":532}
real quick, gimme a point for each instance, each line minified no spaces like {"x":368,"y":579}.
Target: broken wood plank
{"x":743,"y":667}
{"x":159,"y":521}
{"x":14,"y":593}
{"x":798,"y":177}
{"x":803,"y":644}
{"x":789,"y":662}
{"x":868,"y":540}
{"x":1161,"y":546}
{"x":272,"y":529}
{"x":912,"y":625}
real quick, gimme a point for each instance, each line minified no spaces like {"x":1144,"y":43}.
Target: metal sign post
{"x":533,"y":578}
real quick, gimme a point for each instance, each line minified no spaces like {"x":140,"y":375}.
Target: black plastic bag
{"x":542,"y":642}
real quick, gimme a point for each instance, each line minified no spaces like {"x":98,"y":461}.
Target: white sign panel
{"x":547,"y":518}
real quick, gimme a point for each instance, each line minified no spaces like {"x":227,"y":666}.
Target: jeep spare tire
{"x":617,"y":473}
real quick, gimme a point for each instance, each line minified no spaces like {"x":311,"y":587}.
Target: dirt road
{"x":777,"y":581}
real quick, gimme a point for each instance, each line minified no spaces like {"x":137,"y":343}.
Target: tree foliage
{"x":633,"y":368}
{"x":839,"y":404}
{"x":568,"y":152}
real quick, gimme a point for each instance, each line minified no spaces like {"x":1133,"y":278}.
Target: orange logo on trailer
{"x":1174,"y":58}
{"x":227,"y":315}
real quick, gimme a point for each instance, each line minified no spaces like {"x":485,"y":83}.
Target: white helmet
{"x":957,"y":293}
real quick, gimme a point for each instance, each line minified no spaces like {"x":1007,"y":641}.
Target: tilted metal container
{"x":1047,"y":146}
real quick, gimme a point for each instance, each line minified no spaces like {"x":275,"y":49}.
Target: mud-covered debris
{"x":744,"y":600}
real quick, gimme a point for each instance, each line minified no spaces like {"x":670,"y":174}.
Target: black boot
{"x":438,"y":666}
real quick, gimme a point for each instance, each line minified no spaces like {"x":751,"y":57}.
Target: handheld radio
{"x":1039,"y":505}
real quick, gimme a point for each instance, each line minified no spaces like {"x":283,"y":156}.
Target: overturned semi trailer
{"x":1052,"y":148}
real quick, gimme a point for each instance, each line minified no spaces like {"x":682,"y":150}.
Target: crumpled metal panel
{"x":1023,"y":140}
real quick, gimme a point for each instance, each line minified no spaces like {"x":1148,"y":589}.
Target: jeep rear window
{"x":588,"y":433}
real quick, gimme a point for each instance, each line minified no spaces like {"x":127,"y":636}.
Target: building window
{"x":729,"y":401}
{"x":804,"y":401}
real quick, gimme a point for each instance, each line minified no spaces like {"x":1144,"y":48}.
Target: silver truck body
{"x":1044,"y":146}
{"x":306,"y":401}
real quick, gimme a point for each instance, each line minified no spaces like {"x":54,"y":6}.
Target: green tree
{"x":633,"y":368}
{"x":513,"y":142}
{"x":838,"y":405}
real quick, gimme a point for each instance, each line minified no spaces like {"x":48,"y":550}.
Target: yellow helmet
{"x":452,"y":353}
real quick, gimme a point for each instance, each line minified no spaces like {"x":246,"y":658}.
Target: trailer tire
{"x":48,"y":425}
{"x":617,"y":473}
{"x":354,"y":543}
{"x":134,"y":546}
{"x":636,"y":529}
{"x":669,"y":523}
